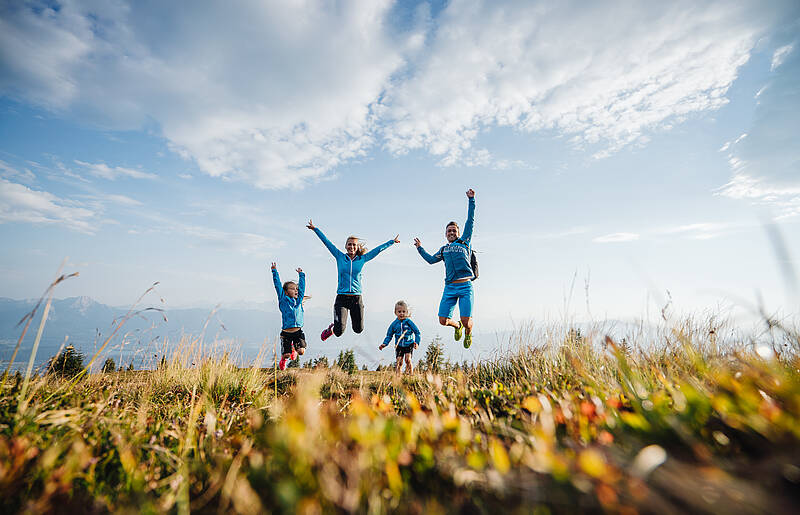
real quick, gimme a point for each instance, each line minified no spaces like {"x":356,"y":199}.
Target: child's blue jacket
{"x":350,"y":269}
{"x":455,"y":255}
{"x":405,"y":333}
{"x":291,"y":309}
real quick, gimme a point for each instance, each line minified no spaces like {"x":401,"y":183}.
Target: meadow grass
{"x":563,"y":423}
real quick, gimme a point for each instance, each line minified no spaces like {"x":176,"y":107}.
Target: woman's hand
{"x":415,"y":345}
{"x":299,"y":270}
{"x":397,"y":239}
{"x":470,"y":193}
{"x":274,"y":266}
{"x":311,"y":225}
{"x":417,"y":243}
{"x":380,"y":347}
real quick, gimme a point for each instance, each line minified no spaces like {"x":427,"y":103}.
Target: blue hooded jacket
{"x":405,"y":333}
{"x":350,"y":269}
{"x":456,"y":254}
{"x":291,"y":309}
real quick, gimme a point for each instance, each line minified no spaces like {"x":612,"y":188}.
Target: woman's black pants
{"x":343,"y":305}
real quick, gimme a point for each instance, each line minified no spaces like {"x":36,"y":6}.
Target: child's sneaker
{"x":282,"y":364}
{"x":457,"y":334}
{"x":294,"y":354}
{"x":327,"y":333}
{"x":467,"y":340}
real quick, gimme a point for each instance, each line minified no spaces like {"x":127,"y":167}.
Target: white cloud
{"x":279,"y":94}
{"x":275,"y":94}
{"x":698,"y":231}
{"x":248,"y":244}
{"x":103,"y":199}
{"x":9,"y":172}
{"x":616,"y":237}
{"x":18,"y":203}
{"x":765,"y":165}
{"x":104,"y":171}
{"x":635,"y":67}
{"x":779,"y":56}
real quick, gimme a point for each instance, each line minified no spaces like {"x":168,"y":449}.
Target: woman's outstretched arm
{"x":325,"y":241}
{"x":380,"y":248}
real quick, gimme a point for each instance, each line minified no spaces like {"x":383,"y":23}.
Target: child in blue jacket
{"x":290,"y":302}
{"x":458,"y":274}
{"x":348,"y":293}
{"x":406,"y":336}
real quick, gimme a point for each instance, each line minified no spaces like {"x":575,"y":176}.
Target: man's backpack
{"x":473,"y":260}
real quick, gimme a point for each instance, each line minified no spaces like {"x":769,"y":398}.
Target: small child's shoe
{"x":467,"y":340}
{"x":457,"y":334}
{"x":327,"y":333}
{"x":282,"y":364}
{"x":294,"y":354}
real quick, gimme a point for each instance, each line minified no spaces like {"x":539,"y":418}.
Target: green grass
{"x":558,"y":426}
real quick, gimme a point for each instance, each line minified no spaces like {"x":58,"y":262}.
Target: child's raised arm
{"x":301,"y":284}
{"x":276,"y":280}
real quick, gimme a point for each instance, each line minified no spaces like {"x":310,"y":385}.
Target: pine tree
{"x":347,"y":361}
{"x":109,"y":366}
{"x":434,"y":356}
{"x":67,"y":363}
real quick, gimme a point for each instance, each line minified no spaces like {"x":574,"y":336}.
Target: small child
{"x":406,"y":337}
{"x":290,"y":302}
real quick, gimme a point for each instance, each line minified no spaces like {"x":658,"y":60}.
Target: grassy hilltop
{"x":560,"y":426}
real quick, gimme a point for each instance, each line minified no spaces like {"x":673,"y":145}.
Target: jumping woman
{"x":458,"y":274}
{"x":348,"y":293}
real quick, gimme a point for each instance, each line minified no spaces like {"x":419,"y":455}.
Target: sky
{"x":624,"y":154}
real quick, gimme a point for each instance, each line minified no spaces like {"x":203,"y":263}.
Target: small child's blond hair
{"x":401,"y":303}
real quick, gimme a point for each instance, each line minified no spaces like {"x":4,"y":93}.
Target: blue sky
{"x":618,"y":150}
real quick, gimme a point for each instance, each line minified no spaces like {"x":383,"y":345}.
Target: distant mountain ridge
{"x":86,"y":323}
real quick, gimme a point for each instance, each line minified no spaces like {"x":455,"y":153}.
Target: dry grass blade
{"x":28,"y":318}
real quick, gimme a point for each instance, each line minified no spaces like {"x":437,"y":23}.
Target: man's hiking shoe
{"x":327,"y":333}
{"x":467,"y":340}
{"x":282,"y":364}
{"x":459,"y":329}
{"x":294,"y":354}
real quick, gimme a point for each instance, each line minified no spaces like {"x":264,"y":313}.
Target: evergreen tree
{"x":321,"y":362}
{"x":67,"y":363}
{"x":109,"y":366}
{"x":434,"y":356}
{"x":347,"y":361}
{"x":294,"y":363}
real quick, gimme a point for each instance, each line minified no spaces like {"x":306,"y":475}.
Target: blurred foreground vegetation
{"x":561,"y":425}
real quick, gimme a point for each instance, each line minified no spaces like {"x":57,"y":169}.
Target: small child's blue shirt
{"x":291,"y":309}
{"x":405,"y":333}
